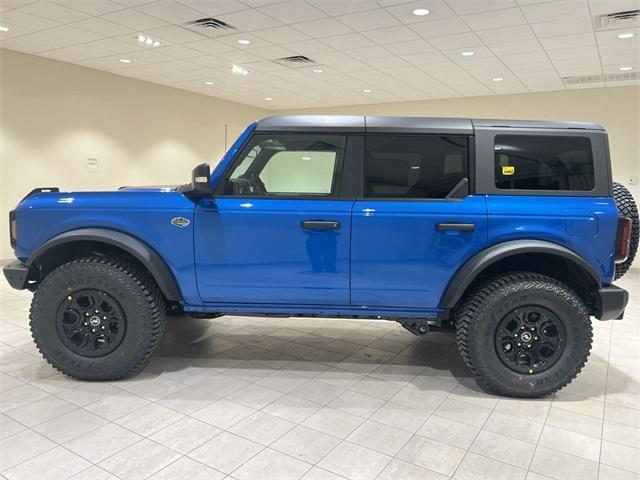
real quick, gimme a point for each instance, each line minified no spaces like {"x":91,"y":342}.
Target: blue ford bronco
{"x":509,"y":233}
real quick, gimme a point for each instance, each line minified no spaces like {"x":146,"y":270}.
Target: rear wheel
{"x":97,"y":318}
{"x":627,"y":208}
{"x":523,"y":334}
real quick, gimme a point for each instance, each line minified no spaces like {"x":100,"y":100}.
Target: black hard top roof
{"x":378,"y":124}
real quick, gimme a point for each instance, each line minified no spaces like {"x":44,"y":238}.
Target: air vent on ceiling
{"x":209,"y":27}
{"x":613,"y":21}
{"x":607,"y":77}
{"x":295,"y":61}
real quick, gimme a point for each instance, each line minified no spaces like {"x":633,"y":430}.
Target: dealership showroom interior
{"x":319,"y":239}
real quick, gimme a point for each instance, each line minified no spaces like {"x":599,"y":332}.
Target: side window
{"x":288,"y":165}
{"x":414,"y":166}
{"x":543,"y":162}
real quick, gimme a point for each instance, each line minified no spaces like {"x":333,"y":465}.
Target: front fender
{"x":136,"y":248}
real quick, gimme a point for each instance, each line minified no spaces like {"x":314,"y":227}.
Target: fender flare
{"x":480,"y":261}
{"x":136,"y":248}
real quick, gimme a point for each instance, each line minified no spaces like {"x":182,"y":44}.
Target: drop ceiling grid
{"x":359,"y":45}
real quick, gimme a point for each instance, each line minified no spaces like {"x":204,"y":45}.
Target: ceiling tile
{"x":523,"y":46}
{"x":496,"y":19}
{"x":465,"y":7}
{"x":22,"y":45}
{"x":102,"y":27}
{"x":178,"y":51}
{"x":236,"y":56}
{"x":91,"y":7}
{"x":170,"y":11}
{"x":460,"y":40}
{"x":410,"y":47}
{"x":600,"y":7}
{"x":610,"y":37}
{"x":365,"y":53}
{"x":134,"y":19}
{"x":351,"y":40}
{"x":335,"y":8}
{"x":426,"y":58}
{"x":293,"y":12}
{"x":435,"y":28}
{"x":217,"y":7}
{"x":438,"y":9}
{"x":53,"y":11}
{"x":232,"y":41}
{"x":173,"y":34}
{"x":279,"y":35}
{"x":542,"y":12}
{"x":273,"y":52}
{"x":369,"y":20}
{"x":17,"y":18}
{"x":507,"y":34}
{"x":391,"y":35}
{"x":248,"y":20}
{"x":558,"y":28}
{"x":568,"y":41}
{"x":209,"y":46}
{"x":325,"y":27}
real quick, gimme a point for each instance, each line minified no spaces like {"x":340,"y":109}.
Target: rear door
{"x":278,"y":231}
{"x":417,"y":223}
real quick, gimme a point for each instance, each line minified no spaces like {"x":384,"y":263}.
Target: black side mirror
{"x":201,"y":180}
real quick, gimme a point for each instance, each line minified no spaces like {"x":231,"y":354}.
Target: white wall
{"x":54,"y":115}
{"x":618,"y":109}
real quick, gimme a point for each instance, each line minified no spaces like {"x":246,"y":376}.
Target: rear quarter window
{"x":543,"y":162}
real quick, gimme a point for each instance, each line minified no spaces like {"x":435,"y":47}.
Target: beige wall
{"x":55,"y":115}
{"x":618,"y":109}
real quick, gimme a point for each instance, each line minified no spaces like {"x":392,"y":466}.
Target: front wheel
{"x":523,"y":334}
{"x":97,"y":318}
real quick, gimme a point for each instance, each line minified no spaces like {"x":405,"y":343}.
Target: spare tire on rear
{"x":627,"y":208}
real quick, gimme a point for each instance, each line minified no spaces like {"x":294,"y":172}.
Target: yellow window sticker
{"x":508,"y":170}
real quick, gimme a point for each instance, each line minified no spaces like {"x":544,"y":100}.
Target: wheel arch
{"x":567,"y":266}
{"x":86,"y":241}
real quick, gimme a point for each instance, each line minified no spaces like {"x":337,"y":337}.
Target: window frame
{"x":470,"y":164}
{"x":338,"y":175}
{"x":485,"y":161}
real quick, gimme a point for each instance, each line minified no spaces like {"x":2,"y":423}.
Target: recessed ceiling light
{"x":156,"y":43}
{"x":4,"y":29}
{"x":268,"y":99}
{"x":208,"y":83}
{"x":141,"y":38}
{"x":625,"y":35}
{"x":148,"y":41}
{"x":468,"y":53}
{"x":626,"y":69}
{"x":237,"y":69}
{"x":497,"y":79}
{"x":367,"y":90}
{"x":244,"y":41}
{"x":317,"y":70}
{"x":125,"y":60}
{"x":421,"y":12}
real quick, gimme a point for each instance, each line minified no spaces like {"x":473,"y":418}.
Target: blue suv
{"x":509,"y":233}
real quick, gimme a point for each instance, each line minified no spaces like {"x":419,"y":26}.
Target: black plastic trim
{"x":12,"y":229}
{"x":139,"y":250}
{"x":613,"y":301}
{"x":17,"y":274}
{"x":476,"y":264}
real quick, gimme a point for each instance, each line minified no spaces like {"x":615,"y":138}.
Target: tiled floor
{"x":249,"y":398}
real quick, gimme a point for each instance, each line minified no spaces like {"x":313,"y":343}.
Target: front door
{"x":277,"y":231}
{"x":416,"y":224}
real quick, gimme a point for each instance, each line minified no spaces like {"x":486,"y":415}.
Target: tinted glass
{"x":538,"y":162}
{"x":414,"y":166}
{"x":288,"y":165}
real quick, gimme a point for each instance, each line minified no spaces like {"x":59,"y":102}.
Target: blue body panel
{"x":586,"y":225}
{"x":399,"y":259}
{"x":142,"y":213}
{"x":255,"y":251}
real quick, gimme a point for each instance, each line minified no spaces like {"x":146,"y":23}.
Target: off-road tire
{"x":480,"y":313}
{"x":138,"y":296}
{"x":627,"y":208}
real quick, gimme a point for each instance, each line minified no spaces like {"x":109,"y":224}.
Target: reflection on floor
{"x":253,"y":398}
